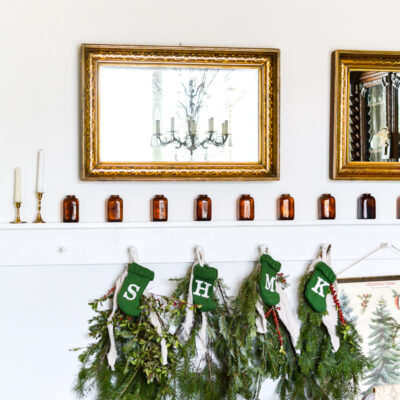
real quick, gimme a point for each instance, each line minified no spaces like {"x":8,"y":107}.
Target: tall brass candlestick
{"x":18,"y":216}
{"x":39,"y":219}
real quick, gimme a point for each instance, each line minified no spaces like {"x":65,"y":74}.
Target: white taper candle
{"x":40,"y":172}
{"x":172,"y":124}
{"x":17,"y":185}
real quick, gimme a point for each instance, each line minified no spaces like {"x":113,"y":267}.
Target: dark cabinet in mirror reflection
{"x":374,"y":116}
{"x":366,"y":208}
{"x":70,"y":209}
{"x":159,"y":208}
{"x":203,"y":208}
{"x":245,"y":208}
{"x":115,"y":209}
{"x":286,"y":207}
{"x":326,"y":207}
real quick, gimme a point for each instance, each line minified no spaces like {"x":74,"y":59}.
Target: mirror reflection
{"x":374,"y":116}
{"x":178,"y":114}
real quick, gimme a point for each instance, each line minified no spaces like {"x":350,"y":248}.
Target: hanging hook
{"x":133,"y":254}
{"x":199,"y":251}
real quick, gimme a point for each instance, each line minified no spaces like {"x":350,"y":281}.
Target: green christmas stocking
{"x":269,"y":269}
{"x":317,"y":287}
{"x":202,"y":287}
{"x":132,"y":289}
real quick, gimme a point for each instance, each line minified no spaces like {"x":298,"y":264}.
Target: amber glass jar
{"x":71,"y":209}
{"x":286,"y":207}
{"x":366,"y":207}
{"x":203,"y":208}
{"x":115,"y":209}
{"x":159,"y":208}
{"x":245,"y":208}
{"x":326,"y":207}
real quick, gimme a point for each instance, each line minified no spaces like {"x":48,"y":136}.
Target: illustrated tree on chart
{"x":384,"y":353}
{"x":346,"y":308}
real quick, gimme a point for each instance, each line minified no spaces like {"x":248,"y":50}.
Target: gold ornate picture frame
{"x":353,"y":155}
{"x":239,"y":77}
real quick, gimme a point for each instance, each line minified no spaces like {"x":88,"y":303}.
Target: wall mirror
{"x":366,"y":115}
{"x":179,"y":113}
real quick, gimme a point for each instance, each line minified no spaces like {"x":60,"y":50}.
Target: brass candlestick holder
{"x":39,"y":219}
{"x":18,"y":216}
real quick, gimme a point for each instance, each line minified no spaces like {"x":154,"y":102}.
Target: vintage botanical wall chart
{"x":373,"y":305}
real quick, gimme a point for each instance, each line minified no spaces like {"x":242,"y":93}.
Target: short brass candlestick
{"x":39,"y":219}
{"x":17,"y":216}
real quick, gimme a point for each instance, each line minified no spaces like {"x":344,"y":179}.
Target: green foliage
{"x":205,"y":379}
{"x":258,"y":356}
{"x":326,"y":375}
{"x":139,"y":373}
{"x":385,"y":352}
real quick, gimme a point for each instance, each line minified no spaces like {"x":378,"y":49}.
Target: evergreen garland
{"x":326,"y":375}
{"x":210,"y":382}
{"x":259,"y":356}
{"x":139,"y":373}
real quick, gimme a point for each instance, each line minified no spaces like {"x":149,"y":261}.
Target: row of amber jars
{"x":203,"y":208}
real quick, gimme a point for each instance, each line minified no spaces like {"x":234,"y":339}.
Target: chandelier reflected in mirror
{"x":192,"y":140}
{"x":195,"y":93}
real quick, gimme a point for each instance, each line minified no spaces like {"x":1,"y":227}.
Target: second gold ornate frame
{"x":265,"y":60}
{"x":343,"y":63}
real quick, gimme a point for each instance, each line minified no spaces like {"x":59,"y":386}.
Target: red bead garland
{"x":338,"y":306}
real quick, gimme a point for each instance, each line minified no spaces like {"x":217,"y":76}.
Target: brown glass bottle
{"x":159,"y":208}
{"x":366,"y":207}
{"x":71,"y":209}
{"x":326,"y":207}
{"x":286,"y":207}
{"x":203,"y":208}
{"x":245,"y":208}
{"x":115,"y":209}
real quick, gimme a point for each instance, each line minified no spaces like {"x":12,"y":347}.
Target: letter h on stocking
{"x":202,"y":289}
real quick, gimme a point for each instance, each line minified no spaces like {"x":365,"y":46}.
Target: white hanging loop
{"x":199,"y":251}
{"x":263,"y":249}
{"x":133,"y":254}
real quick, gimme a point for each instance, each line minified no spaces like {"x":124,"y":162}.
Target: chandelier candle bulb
{"x":158,"y":128}
{"x":172,"y":124}
{"x":40,"y":172}
{"x":211,"y":124}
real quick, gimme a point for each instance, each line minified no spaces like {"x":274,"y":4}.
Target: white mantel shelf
{"x":171,"y":242}
{"x":197,"y":224}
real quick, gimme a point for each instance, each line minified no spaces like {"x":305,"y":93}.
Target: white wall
{"x":39,"y":107}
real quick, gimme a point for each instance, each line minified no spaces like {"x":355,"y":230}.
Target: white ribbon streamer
{"x":286,"y":315}
{"x":261,"y":321}
{"x":112,"y":354}
{"x":187,"y":325}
